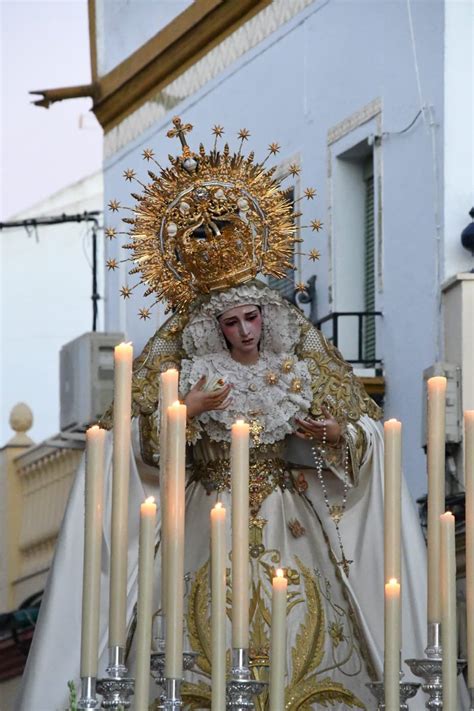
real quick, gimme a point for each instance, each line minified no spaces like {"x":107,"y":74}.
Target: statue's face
{"x":242,"y":327}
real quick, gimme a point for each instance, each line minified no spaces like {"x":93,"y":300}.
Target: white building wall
{"x":45,"y":301}
{"x":122,"y":26}
{"x":313,"y":74}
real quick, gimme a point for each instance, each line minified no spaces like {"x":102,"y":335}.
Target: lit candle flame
{"x":150,"y":500}
{"x":279,"y":573}
{"x":218,"y":505}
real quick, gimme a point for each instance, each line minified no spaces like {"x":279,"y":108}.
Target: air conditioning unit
{"x":452,"y":373}
{"x":86,"y":373}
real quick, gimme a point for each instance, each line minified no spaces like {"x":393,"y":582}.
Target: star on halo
{"x":148,"y":154}
{"x":110,"y":232}
{"x":218,"y":130}
{"x":274,"y":148}
{"x":129,"y":174}
{"x":144,"y":314}
{"x":111,"y":264}
{"x":316,"y":225}
{"x":310,"y":193}
{"x":300,"y":286}
{"x":114,"y":205}
{"x":314,"y":255}
{"x":125,"y":291}
{"x":294,"y":169}
{"x":244,"y":134}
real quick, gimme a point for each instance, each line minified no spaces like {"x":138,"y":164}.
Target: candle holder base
{"x":88,"y":698}
{"x":157,"y":665}
{"x":408,"y":690}
{"x":117,"y":689}
{"x":430,"y":669}
{"x":116,"y":693}
{"x":241,"y":688}
{"x":171,"y":698}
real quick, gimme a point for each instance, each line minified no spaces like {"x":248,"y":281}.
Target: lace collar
{"x":267,"y":394}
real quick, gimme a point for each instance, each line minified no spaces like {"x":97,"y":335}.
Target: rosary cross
{"x":180,"y":130}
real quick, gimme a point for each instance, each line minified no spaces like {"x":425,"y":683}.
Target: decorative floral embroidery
{"x":301,"y":485}
{"x":297,"y":530}
{"x":271,"y":378}
{"x":295,"y":386}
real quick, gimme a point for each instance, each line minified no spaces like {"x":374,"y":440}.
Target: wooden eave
{"x":179,"y":45}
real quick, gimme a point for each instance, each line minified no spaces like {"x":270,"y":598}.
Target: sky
{"x":44,"y":44}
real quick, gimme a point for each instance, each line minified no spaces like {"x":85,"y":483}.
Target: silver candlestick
{"x":430,"y":669}
{"x":117,"y":688}
{"x":171,"y":699}
{"x":241,"y":688}
{"x":88,"y":698}
{"x":408,"y":690}
{"x":471,"y":699}
{"x":157,"y":665}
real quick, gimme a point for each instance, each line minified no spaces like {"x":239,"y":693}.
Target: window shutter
{"x":369,"y":264}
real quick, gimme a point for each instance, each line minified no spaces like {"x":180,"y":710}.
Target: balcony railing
{"x":355,"y":337}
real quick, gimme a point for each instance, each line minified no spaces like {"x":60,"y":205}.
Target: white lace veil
{"x":280,"y":333}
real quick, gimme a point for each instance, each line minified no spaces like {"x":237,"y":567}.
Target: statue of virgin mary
{"x":206,"y":228}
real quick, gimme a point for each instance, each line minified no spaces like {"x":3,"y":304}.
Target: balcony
{"x":354,"y":334}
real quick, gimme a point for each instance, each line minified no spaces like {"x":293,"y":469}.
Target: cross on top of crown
{"x":180,"y":130}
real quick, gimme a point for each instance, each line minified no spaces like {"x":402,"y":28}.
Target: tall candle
{"x":218,"y":607}
{"x":278,"y":642}
{"x":392,"y":645}
{"x":436,"y":475}
{"x":94,"y":485}
{"x":392,"y":498}
{"x":174,"y":533}
{"x":240,"y":534}
{"x":168,"y":395}
{"x":469,"y":482}
{"x":120,"y":485}
{"x":448,"y":612}
{"x":145,"y":602}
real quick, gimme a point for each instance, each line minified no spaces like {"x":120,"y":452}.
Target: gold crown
{"x":208,"y":221}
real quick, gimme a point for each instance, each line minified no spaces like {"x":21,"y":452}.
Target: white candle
{"x":278,"y":642}
{"x":145,"y":602}
{"x":218,"y":607}
{"x":94,"y":493}
{"x":240,"y":534}
{"x":392,"y":617}
{"x":120,"y":486}
{"x":168,"y":395}
{"x":469,"y":483}
{"x":392,"y":498}
{"x":174,"y":534}
{"x":448,"y":611}
{"x":436,"y":500}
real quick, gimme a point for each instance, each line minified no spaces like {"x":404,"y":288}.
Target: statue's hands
{"x":314,"y":429}
{"x":199,"y":400}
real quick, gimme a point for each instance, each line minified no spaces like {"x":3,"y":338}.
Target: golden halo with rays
{"x":208,"y":221}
